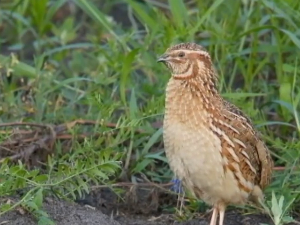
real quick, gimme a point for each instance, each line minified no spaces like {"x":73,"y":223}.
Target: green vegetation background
{"x":62,"y":61}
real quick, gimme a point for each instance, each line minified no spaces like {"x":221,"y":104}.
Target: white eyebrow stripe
{"x":200,"y":52}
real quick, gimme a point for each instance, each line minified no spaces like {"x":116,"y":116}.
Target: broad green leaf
{"x":38,"y":198}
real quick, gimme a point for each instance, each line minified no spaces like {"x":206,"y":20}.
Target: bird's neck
{"x":195,"y":87}
{"x":183,"y":97}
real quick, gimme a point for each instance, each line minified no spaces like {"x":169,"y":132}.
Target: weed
{"x":66,"y":60}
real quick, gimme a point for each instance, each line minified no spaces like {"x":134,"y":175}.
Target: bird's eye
{"x":181,"y":54}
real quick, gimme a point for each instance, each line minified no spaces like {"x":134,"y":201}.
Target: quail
{"x":211,"y":145}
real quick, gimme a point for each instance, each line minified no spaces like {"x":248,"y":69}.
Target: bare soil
{"x":65,"y":213}
{"x":141,"y":207}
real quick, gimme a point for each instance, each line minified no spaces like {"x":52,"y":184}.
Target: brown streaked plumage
{"x":210,"y":144}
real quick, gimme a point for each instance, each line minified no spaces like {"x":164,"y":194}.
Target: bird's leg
{"x":222,"y":209}
{"x":213,"y":220}
{"x":181,"y":202}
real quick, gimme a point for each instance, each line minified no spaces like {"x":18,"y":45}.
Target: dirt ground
{"x":142,"y":207}
{"x":64,"y":213}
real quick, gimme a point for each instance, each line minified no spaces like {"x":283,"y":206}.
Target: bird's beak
{"x":163,"y":58}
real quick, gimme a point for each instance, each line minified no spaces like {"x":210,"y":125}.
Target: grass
{"x":67,"y":60}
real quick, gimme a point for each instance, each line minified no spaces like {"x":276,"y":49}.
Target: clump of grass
{"x":63,"y":60}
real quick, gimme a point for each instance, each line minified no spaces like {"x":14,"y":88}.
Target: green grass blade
{"x":179,"y":12}
{"x":17,"y":67}
{"x":206,"y":15}
{"x":144,"y":16}
{"x":125,"y":72}
{"x":90,"y":9}
{"x":152,"y":141}
{"x":292,"y":36}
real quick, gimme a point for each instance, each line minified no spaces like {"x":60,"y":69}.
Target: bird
{"x":210,"y":144}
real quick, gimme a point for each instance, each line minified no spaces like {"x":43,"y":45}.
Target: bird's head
{"x":187,"y":60}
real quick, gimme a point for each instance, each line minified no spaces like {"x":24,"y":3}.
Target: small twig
{"x":29,"y":150}
{"x":13,"y":124}
{"x":279,"y":168}
{"x":70,"y":136}
{"x":90,"y":122}
{"x":12,"y":132}
{"x":13,"y":142}
{"x":129,"y":184}
{"x":6,"y":149}
{"x":53,"y":136}
{"x":81,"y":136}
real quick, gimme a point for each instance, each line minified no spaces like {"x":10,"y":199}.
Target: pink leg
{"x":213,"y":220}
{"x":222,"y":214}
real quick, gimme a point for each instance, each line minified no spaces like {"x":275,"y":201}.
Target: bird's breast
{"x":194,"y":151}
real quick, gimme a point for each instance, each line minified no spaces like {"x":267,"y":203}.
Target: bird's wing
{"x":247,"y":156}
